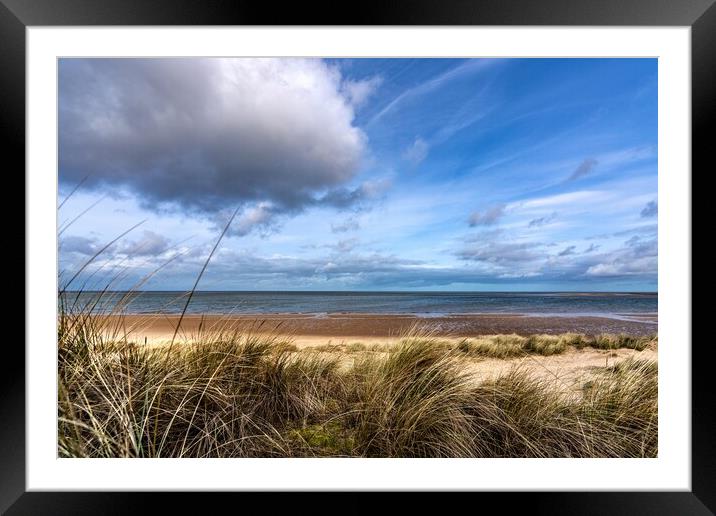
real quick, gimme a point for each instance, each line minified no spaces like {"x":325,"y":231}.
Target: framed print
{"x":425,"y":248}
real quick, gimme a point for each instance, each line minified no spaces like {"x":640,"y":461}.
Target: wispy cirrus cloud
{"x":467,"y":67}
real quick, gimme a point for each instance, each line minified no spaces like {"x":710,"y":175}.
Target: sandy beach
{"x":310,"y":329}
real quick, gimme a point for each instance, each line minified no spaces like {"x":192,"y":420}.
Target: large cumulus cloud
{"x":204,"y":135}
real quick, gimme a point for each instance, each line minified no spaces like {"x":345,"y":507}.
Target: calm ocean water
{"x":419,"y":303}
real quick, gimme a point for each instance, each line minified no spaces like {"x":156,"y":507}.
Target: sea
{"x":423,"y":304}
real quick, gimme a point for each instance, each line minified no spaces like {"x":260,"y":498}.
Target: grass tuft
{"x":506,"y":346}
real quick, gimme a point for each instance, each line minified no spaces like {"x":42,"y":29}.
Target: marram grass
{"x":232,"y":395}
{"x":505,"y":346}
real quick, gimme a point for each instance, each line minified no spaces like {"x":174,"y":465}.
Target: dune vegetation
{"x":236,"y":395}
{"x":504,"y":346}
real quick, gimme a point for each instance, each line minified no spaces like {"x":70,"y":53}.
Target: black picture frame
{"x":16,"y":15}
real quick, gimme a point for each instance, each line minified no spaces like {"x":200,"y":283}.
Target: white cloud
{"x":641,"y":266}
{"x":417,"y":152}
{"x":260,"y":216}
{"x":639,"y":256}
{"x":206,"y":134}
{"x":150,"y":244}
{"x":562,"y":199}
{"x":358,"y":92}
{"x":79,"y":244}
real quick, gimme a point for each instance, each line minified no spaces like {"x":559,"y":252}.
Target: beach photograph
{"x":357,"y":258}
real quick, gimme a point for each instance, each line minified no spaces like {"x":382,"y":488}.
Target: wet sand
{"x":346,"y":327}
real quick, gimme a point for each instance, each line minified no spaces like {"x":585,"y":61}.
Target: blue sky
{"x":360,"y":174}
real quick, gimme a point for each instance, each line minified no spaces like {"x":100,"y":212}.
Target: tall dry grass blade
{"x":67,"y":225}
{"x":69,"y":195}
{"x":198,"y":278}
